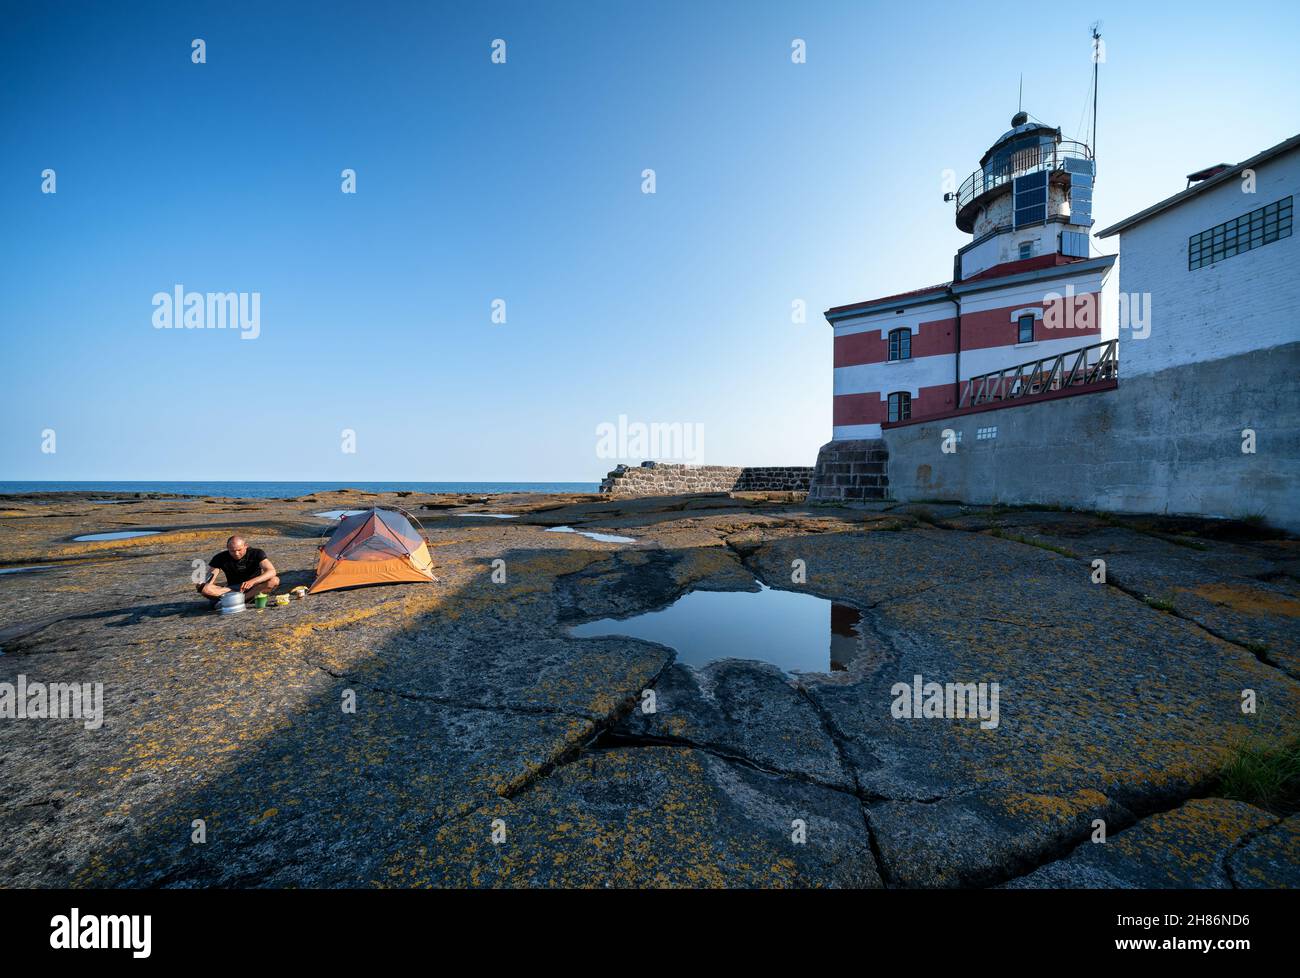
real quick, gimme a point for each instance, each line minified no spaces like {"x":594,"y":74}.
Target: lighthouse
{"x":1028,"y":289}
{"x":1031,"y":196}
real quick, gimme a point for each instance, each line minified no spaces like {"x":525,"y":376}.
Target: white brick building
{"x":1217,"y":287}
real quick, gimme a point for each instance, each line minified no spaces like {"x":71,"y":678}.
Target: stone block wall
{"x":851,"y":472}
{"x":670,"y":479}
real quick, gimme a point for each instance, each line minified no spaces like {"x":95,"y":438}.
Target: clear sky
{"x":522,"y":181}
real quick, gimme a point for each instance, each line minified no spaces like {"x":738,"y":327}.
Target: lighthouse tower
{"x":1028,"y":287}
{"x":1031,"y":196}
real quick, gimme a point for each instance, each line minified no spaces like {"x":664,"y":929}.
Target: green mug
{"x":260,"y":601}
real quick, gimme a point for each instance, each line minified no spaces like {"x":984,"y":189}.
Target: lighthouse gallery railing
{"x":1029,"y":160}
{"x":1075,"y":368}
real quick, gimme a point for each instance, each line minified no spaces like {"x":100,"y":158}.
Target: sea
{"x":273,"y":490}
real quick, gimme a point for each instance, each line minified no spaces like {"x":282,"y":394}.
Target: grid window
{"x":1025,"y":329}
{"x":900,"y":344}
{"x":1265,"y":225}
{"x":900,"y":406}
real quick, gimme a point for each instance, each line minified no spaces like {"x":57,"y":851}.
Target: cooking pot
{"x":231,"y":602}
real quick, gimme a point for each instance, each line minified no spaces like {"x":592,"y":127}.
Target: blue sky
{"x":774,"y":182}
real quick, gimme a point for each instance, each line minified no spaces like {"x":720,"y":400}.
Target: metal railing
{"x":1031,"y":159}
{"x":1074,"y":368}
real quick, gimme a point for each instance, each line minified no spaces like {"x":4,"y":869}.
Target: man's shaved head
{"x":236,"y":546}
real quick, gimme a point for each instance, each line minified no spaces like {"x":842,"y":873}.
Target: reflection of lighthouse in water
{"x":845,"y":640}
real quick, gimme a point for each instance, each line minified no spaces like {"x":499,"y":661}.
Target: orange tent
{"x":377,"y":546}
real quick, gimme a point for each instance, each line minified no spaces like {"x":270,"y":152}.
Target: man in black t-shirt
{"x":246,"y":568}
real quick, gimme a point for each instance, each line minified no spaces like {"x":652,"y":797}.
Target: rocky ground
{"x":477,"y":714}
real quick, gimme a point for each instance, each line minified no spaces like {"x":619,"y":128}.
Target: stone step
{"x":850,"y":471}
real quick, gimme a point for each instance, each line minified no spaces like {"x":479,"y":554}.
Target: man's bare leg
{"x":211,"y":590}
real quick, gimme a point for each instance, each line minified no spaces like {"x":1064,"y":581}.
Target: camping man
{"x":246,"y":568}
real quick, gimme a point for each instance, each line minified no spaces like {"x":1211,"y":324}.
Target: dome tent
{"x":375,"y":546}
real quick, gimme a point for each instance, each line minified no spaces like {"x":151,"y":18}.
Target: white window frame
{"x":900,"y":417}
{"x":889,"y":339}
{"x":1016,"y":316}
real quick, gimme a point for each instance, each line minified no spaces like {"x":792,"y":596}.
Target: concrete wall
{"x":1164,"y":442}
{"x":663,"y":479}
{"x":1249,"y":301}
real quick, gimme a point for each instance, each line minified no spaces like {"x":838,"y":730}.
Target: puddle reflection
{"x":116,"y":535}
{"x":592,"y":535}
{"x":795,"y":632}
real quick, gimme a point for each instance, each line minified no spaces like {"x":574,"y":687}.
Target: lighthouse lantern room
{"x":1031,"y":195}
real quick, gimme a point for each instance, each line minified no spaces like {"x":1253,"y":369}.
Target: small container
{"x":260,"y":601}
{"x":299,"y":592}
{"x":282,"y":599}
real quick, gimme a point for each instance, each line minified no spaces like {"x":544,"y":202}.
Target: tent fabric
{"x":379,"y":546}
{"x":379,"y":531}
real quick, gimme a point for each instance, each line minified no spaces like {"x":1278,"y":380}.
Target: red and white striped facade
{"x":971,"y":326}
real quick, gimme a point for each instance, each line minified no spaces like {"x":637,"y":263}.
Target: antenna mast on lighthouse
{"x":1096,"y":60}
